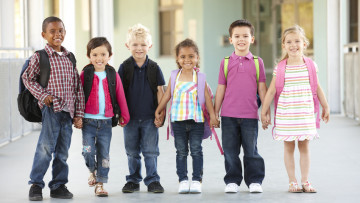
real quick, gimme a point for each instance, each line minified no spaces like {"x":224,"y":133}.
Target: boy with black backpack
{"x":61,"y":103}
{"x":143,"y":80}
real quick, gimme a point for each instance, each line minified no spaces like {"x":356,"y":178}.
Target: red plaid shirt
{"x":64,"y":83}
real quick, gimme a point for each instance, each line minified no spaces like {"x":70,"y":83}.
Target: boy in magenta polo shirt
{"x":239,"y":113}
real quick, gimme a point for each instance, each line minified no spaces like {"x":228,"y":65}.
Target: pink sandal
{"x":294,"y":188}
{"x":308,"y":188}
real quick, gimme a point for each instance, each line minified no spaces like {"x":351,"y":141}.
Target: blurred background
{"x":331,"y":25}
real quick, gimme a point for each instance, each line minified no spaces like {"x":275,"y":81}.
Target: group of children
{"x":101,"y":98}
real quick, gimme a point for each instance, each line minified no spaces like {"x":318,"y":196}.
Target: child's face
{"x":54,"y":35}
{"x":99,"y":57}
{"x":139,"y":48}
{"x":294,"y":45}
{"x":187,"y":58}
{"x":241,"y":39}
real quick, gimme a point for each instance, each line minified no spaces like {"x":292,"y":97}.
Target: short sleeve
{"x":262,"y":75}
{"x":222,"y":80}
{"x":160,"y":77}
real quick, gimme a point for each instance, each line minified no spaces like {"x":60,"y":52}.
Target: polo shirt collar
{"x":145,"y":63}
{"x":248,"y":56}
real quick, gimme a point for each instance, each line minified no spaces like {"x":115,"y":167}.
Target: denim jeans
{"x":142,"y":136}
{"x":96,"y":134}
{"x":188,"y":133}
{"x":54,"y":141}
{"x":237,"y":132}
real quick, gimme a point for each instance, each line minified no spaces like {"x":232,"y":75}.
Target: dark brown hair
{"x":97,"y":42}
{"x":50,"y":19}
{"x":186,"y":43}
{"x":241,"y":23}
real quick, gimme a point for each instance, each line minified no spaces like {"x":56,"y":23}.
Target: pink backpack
{"x":208,"y":131}
{"x":280,"y":80}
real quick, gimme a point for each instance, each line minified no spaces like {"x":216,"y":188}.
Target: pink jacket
{"x":92,"y":105}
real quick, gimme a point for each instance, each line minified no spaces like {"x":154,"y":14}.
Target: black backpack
{"x":111,"y":78}
{"x":27,"y":103}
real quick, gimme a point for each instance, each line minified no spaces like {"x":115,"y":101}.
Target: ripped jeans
{"x":96,"y":135}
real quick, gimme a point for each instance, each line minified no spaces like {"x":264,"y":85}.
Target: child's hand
{"x":325,"y":114}
{"x":77,"y":121}
{"x":121,"y":122}
{"x":48,"y":100}
{"x":159,"y":118}
{"x":265,"y":120}
{"x":214,"y":123}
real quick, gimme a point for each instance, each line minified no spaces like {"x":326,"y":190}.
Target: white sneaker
{"x":195,"y":187}
{"x":255,"y":188}
{"x":231,"y":188}
{"x":184,"y":187}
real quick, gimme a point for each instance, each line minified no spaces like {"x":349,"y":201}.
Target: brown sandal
{"x":100,"y":191}
{"x":307,"y":187}
{"x":92,"y":179}
{"x":294,"y":188}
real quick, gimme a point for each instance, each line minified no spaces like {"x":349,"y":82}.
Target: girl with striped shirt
{"x":297,"y":95}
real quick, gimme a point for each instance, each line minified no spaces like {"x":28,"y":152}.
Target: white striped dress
{"x":295,"y":118}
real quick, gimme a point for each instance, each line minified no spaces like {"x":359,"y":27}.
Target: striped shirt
{"x":185,"y":104}
{"x":64,"y":83}
{"x":295,"y":118}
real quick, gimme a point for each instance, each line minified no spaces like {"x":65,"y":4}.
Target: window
{"x":354,"y":24}
{"x":171,"y":25}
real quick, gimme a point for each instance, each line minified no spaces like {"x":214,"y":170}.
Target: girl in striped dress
{"x":297,"y":94}
{"x":187,"y":115}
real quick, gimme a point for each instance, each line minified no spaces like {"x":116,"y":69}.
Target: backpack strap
{"x":44,"y":64}
{"x":226,"y":63}
{"x":111,"y":79}
{"x":172,"y":86}
{"x":279,"y":86}
{"x":128,"y":73}
{"x":151,"y":73}
{"x":88,"y":80}
{"x":314,"y":86}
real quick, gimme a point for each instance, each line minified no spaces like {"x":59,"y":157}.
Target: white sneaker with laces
{"x":231,"y":188}
{"x":184,"y":187}
{"x":195,"y":187}
{"x":255,"y":188}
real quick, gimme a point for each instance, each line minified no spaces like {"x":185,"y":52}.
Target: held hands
{"x":214,"y":121}
{"x":159,"y":118}
{"x":121,"y":122}
{"x":266,"y":120}
{"x":48,"y":100}
{"x":78,"y":122}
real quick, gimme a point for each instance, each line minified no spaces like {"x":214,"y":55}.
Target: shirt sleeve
{"x":275,"y":70}
{"x":262,"y":75}
{"x":30,"y":79}
{"x":222,"y":80}
{"x":120,"y":97}
{"x":80,"y":97}
{"x":160,"y":77}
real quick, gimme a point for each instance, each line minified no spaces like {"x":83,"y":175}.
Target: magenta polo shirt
{"x":241,"y":87}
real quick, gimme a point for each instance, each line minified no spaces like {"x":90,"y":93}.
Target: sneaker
{"x":61,"y":192}
{"x":195,"y":187}
{"x":231,"y":188}
{"x":184,"y":187}
{"x":131,"y":187}
{"x":35,"y":193}
{"x":255,"y":188}
{"x":155,"y":187}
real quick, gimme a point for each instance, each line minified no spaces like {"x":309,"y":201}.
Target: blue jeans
{"x":188,"y":133}
{"x":237,"y":132}
{"x":96,"y":143}
{"x":142,"y":136}
{"x":54,"y":140}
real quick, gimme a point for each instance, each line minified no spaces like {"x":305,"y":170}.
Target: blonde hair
{"x":295,"y":29}
{"x":138,"y":31}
